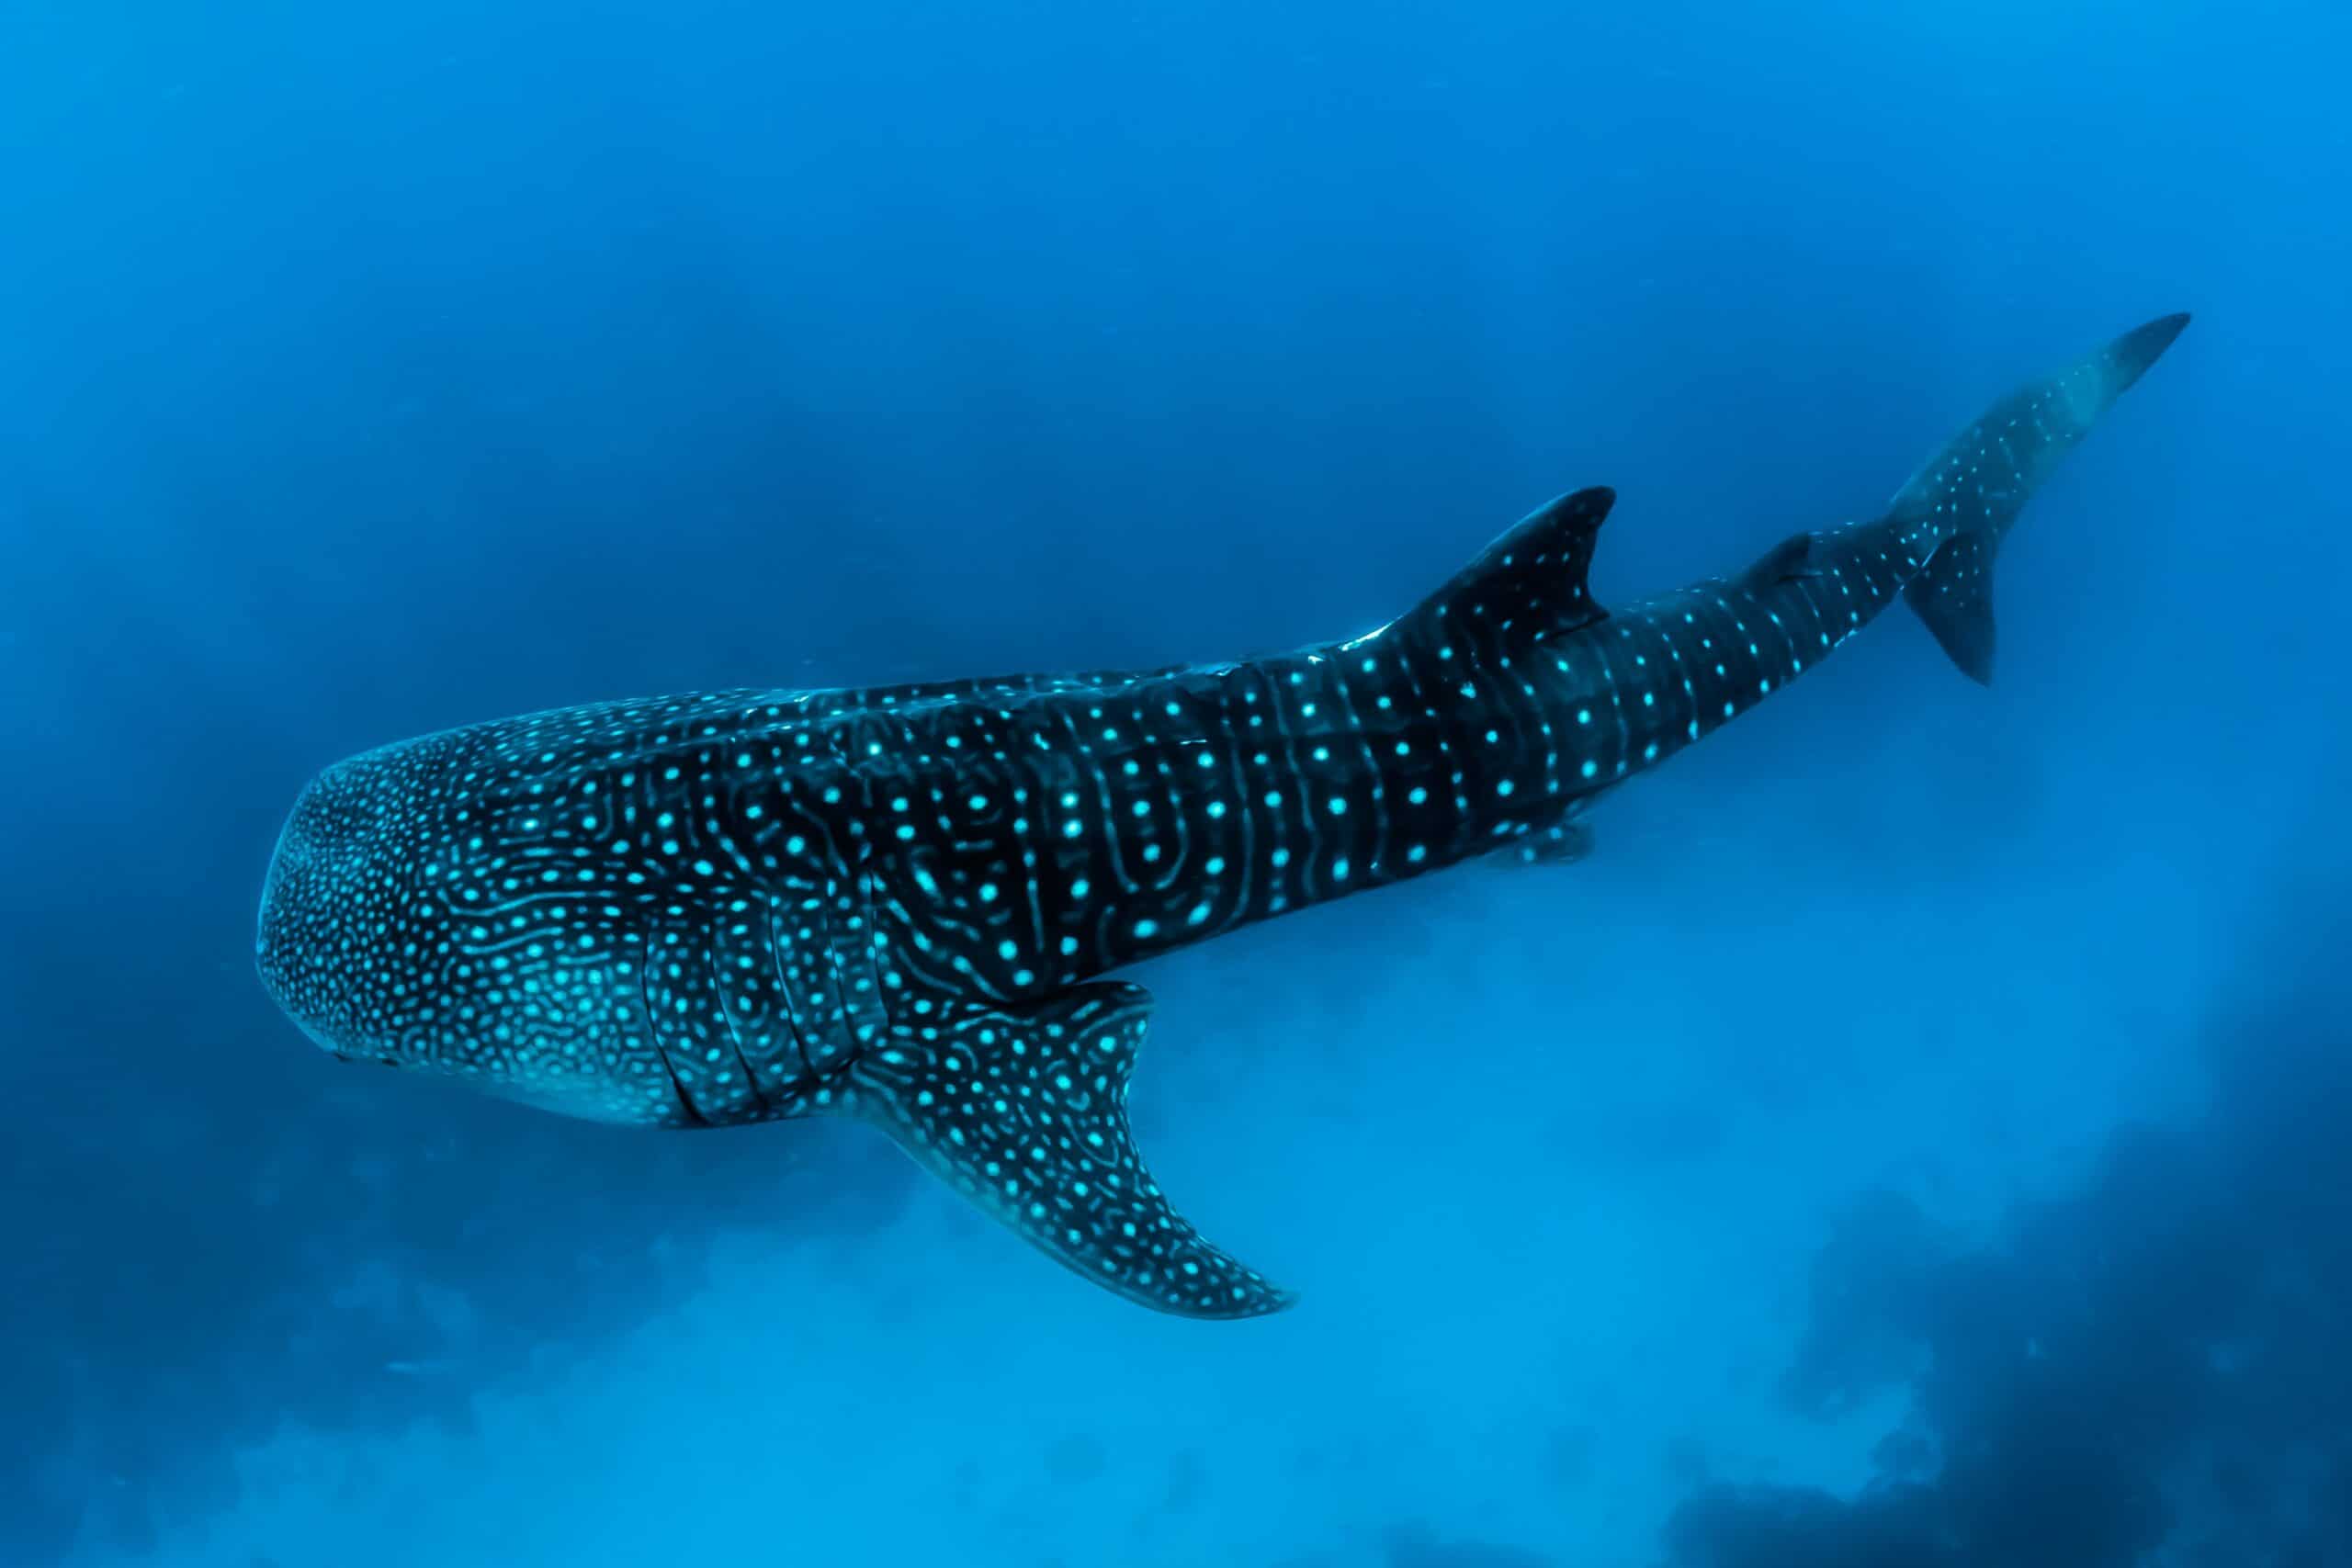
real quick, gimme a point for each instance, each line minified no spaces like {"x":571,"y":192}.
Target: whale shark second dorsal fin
{"x":1024,"y":1111}
{"x":1526,"y":586}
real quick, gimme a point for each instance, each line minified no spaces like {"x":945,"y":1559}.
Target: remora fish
{"x":894,"y":902}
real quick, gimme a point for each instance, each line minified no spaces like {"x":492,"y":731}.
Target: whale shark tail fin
{"x":1023,"y":1109}
{"x":1965,"y":497}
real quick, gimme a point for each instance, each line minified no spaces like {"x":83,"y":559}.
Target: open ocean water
{"x":1913,"y":1137}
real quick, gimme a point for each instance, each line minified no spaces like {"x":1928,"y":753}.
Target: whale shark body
{"x":896,"y":903}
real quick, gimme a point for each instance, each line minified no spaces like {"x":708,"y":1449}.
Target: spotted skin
{"x":895,"y":903}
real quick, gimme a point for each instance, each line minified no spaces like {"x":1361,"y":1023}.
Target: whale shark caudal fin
{"x":1025,"y":1111}
{"x":1972,"y":491}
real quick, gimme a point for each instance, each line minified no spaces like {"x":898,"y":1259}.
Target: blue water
{"x":1915,"y":1138}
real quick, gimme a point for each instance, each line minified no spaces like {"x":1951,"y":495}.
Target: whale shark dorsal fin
{"x":1784,"y":563}
{"x":1025,"y":1111}
{"x":1528,"y":584}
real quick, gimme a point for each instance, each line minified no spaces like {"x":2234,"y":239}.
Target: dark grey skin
{"x":896,"y":903}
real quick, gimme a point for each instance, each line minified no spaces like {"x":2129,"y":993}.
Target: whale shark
{"x":899,"y":904}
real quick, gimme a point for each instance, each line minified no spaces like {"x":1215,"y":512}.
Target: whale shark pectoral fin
{"x":1025,"y":1111}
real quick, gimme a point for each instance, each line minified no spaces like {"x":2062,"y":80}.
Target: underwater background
{"x":1915,"y":1138}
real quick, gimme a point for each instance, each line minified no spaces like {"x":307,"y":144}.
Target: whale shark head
{"x":414,"y":915}
{"x":333,"y":897}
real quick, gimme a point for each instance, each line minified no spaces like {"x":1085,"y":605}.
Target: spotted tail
{"x":1969,"y":493}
